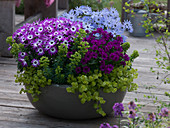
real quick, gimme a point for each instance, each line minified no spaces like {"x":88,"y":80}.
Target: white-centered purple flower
{"x":22,"y":54}
{"x":30,"y":37}
{"x":59,"y":37}
{"x":51,"y":43}
{"x":73,"y":28}
{"x":35,"y":63}
{"x":52,"y":51}
{"x":40,"y":51}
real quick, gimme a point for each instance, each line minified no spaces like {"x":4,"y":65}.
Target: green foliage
{"x":33,"y":79}
{"x":91,"y":84}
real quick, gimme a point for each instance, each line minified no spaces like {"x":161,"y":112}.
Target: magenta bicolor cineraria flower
{"x":22,"y":54}
{"x":118,"y":108}
{"x":164,"y":112}
{"x":23,"y":62}
{"x":44,"y":37}
{"x":35,"y":62}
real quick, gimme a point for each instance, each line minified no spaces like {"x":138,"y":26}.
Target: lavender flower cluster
{"x":118,"y":108}
{"x":107,"y":19}
{"x":43,"y":38}
{"x":104,"y":53}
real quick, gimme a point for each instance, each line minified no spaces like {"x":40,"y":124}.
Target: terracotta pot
{"x":57,"y":102}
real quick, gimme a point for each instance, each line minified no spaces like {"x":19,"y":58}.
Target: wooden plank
{"x":30,"y":19}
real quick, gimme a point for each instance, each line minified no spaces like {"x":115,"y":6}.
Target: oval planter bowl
{"x":57,"y":102}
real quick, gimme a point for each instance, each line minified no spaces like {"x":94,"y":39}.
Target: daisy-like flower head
{"x":47,"y":47}
{"x":164,"y":112}
{"x":40,"y":51}
{"x":132,"y":114}
{"x":59,"y":37}
{"x":52,"y":51}
{"x":35,"y":63}
{"x":73,"y":29}
{"x":66,"y":42}
{"x":30,"y":37}
{"x":151,"y":117}
{"x":51,"y":42}
{"x":22,"y":54}
{"x":132,"y":105}
{"x":23,"y":39}
{"x":40,"y":29}
{"x":105,"y":125}
{"x":23,"y":62}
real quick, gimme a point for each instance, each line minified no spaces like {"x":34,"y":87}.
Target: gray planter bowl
{"x":57,"y":102}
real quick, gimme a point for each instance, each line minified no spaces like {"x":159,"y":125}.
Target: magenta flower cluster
{"x":42,"y":38}
{"x":105,"y":52}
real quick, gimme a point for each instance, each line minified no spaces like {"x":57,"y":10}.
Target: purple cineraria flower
{"x":104,"y":56}
{"x":102,"y":67}
{"x":84,"y":61}
{"x":132,"y":114}
{"x":108,"y":68}
{"x":78,"y":70}
{"x":23,"y":62}
{"x":40,"y":51}
{"x":118,"y":108}
{"x":132,"y":105}
{"x":73,"y":29}
{"x":30,"y":37}
{"x":86,"y":69}
{"x":51,"y":42}
{"x":164,"y":112}
{"x":10,"y":47}
{"x":52,"y":51}
{"x":35,"y":62}
{"x":59,"y":37}
{"x":151,"y":117}
{"x":114,"y":57}
{"x":123,"y":63}
{"x":105,"y":125}
{"x":22,"y":54}
{"x":47,"y":47}
{"x":115,"y":126}
{"x":94,"y":55}
{"x":69,"y":54}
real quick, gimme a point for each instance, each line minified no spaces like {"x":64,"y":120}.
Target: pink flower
{"x":48,"y":3}
{"x":17,"y":3}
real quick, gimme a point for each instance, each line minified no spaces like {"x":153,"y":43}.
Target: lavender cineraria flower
{"x":118,"y":108}
{"x":115,"y":126}
{"x":105,"y":125}
{"x":107,"y":19}
{"x":132,"y":105}
{"x":164,"y":112}
{"x":35,"y":63}
{"x":132,"y":114}
{"x":151,"y":117}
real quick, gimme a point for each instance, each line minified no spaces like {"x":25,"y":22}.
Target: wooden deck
{"x":17,"y":112}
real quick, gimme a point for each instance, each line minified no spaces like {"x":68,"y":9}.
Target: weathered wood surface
{"x":16,"y":111}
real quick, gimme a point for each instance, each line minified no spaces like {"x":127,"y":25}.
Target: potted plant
{"x":71,"y":72}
